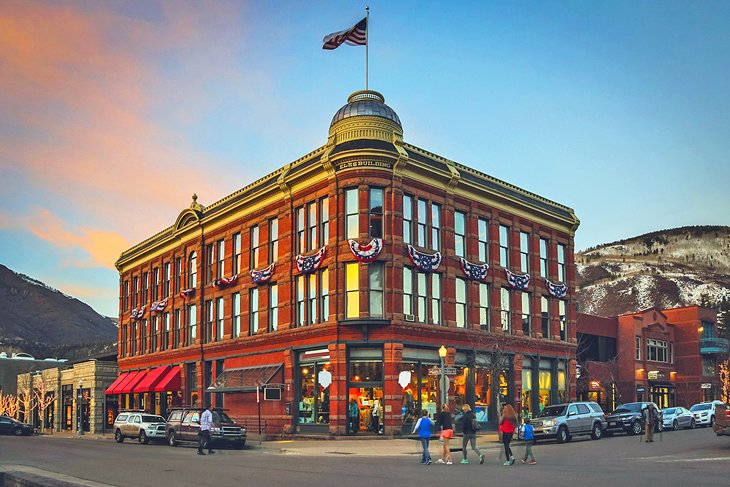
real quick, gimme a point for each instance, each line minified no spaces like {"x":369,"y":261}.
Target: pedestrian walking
{"x":354,"y":416}
{"x":469,"y":427}
{"x":507,"y":426}
{"x":649,"y":415}
{"x":528,"y":436}
{"x":447,"y":432}
{"x":206,"y":423}
{"x":423,"y":426}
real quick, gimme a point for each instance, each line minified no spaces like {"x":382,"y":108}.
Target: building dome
{"x":366,"y":103}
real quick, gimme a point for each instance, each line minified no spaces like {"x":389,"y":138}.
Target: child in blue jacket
{"x":528,"y":435}
{"x":423,"y":426}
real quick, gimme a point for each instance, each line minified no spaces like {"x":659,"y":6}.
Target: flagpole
{"x":367,"y":43}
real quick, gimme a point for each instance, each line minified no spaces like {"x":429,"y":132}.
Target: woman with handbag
{"x":507,"y":427}
{"x":469,"y":427}
{"x":447,"y":432}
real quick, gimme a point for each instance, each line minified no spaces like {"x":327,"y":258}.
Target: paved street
{"x":684,"y":458}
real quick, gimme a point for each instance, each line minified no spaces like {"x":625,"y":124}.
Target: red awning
{"x":151,"y":379}
{"x":122,"y":377}
{"x":170,"y":381}
{"x":118,"y":388}
{"x":128,"y":386}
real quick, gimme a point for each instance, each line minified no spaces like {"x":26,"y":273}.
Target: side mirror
{"x":571,"y":413}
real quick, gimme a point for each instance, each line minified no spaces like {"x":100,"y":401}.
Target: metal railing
{"x":713,"y":345}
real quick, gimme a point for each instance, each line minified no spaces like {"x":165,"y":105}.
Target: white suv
{"x":704,"y":413}
{"x":143,"y":426}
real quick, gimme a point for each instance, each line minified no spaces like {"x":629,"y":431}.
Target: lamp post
{"x":442,"y":357}
{"x":80,"y":404}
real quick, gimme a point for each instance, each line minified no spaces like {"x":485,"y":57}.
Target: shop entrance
{"x":368,"y":418}
{"x":365,"y":406}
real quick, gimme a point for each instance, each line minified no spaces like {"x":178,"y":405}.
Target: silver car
{"x":140,"y":425}
{"x":563,"y":421}
{"x":678,"y":417}
{"x":705,"y":413}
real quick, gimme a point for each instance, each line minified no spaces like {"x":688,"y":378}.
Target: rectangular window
{"x":376,"y":289}
{"x":375,"y":212}
{"x":193,"y":270}
{"x":133,"y":339}
{"x":544,"y":258}
{"x":484,"y":306}
{"x":145,"y":287}
{"x":273,"y":240}
{"x":166,"y":334}
{"x":561,"y":263}
{"x":637,"y":348}
{"x":273,"y":307}
{"x":236,"y":315}
{"x":135,"y":291}
{"x":253,"y":311}
{"x":421,"y":224}
{"x":220,"y":269}
{"x":236,"y":259}
{"x":155,"y":284}
{"x":123,"y":344}
{"x":300,"y":300}
{"x":219,"y":322}
{"x":461,"y":319}
{"x":422,"y":297}
{"x":657,"y":350}
{"x":483,"y":234}
{"x":176,"y":326}
{"x":207,"y":336}
{"x":301,"y":235}
{"x":192,"y":325}
{"x":504,"y":246}
{"x":178,"y":274}
{"x":166,"y":280}
{"x":460,"y":234}
{"x":545,"y":316}
{"x":324,"y":220}
{"x":435,"y":226}
{"x":435,"y":298}
{"x":255,"y":247}
{"x":311,"y":226}
{"x":524,"y":252}
{"x":352,"y":290}
{"x":505,"y":313}
{"x":209,"y":262}
{"x":125,"y":296}
{"x":407,"y":219}
{"x":154,"y":332}
{"x":563,"y":321}
{"x":526,"y":321}
{"x":312,"y":298}
{"x":324,"y":287}
{"x":143,"y":336}
{"x":407,"y":292}
{"x":709,"y":366}
{"x":352,"y":218}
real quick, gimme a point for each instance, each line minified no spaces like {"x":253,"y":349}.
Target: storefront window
{"x":545,"y":384}
{"x":365,"y":388}
{"x":314,"y":387}
{"x":482,"y":393}
{"x":526,"y":409}
{"x":562,"y":377}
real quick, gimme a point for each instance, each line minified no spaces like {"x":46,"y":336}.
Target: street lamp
{"x":80,"y":403}
{"x":442,"y":357}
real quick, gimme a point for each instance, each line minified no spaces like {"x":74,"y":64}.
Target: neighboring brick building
{"x":666,"y":356}
{"x":357,"y":248}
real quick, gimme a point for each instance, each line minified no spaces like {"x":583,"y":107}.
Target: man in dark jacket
{"x":470,"y":434}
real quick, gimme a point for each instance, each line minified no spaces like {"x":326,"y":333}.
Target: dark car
{"x":628,"y":418}
{"x":183,"y":425}
{"x":11,"y":426}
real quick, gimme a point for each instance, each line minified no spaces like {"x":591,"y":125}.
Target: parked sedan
{"x":678,"y":417}
{"x":11,"y":426}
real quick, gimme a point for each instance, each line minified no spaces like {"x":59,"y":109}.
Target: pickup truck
{"x":722,"y":420}
{"x":183,"y":425}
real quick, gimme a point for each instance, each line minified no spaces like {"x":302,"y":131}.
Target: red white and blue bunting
{"x":474,"y":271}
{"x":366,"y":253}
{"x":262,"y":276}
{"x":225,"y":281}
{"x":310,"y":263}
{"x":137,"y":313}
{"x":159,"y":305}
{"x":518,"y":281}
{"x":187,"y":293}
{"x":424,"y":262}
{"x":557,"y":290}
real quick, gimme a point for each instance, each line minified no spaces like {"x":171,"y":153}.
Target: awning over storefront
{"x":128,"y":386}
{"x":151,"y":379}
{"x":122,"y":384}
{"x":245,"y":379}
{"x":122,"y":377}
{"x":170,"y":381}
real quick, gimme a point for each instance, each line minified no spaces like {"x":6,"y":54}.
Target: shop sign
{"x":706,"y":385}
{"x":433,"y":371}
{"x":640,"y":389}
{"x":404,"y":378}
{"x":655,"y":374}
{"x":366,"y":163}
{"x":325,"y":378}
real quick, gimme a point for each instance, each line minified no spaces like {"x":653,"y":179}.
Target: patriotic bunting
{"x":310,"y":263}
{"x":225,"y":281}
{"x":158,"y":305}
{"x":557,"y":290}
{"x":424,"y":262}
{"x":518,"y":281}
{"x":262,"y":276}
{"x":137,"y":313}
{"x":366,"y":253}
{"x":474,"y":271}
{"x":187,"y":292}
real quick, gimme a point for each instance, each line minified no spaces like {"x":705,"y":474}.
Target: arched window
{"x":193,"y":270}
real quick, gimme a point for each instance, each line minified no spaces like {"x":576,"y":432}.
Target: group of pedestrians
{"x":508,"y":424}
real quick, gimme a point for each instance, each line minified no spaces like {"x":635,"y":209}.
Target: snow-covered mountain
{"x":668,"y":268}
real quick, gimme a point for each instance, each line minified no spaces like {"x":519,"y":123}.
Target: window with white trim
{"x":236,"y":315}
{"x":192,"y":324}
{"x":352,"y":216}
{"x":484,"y":306}
{"x":324,"y":221}
{"x":460,"y":234}
{"x":420,"y":289}
{"x":561,"y":263}
{"x":637,"y":348}
{"x":253,"y":311}
{"x":375,"y":212}
{"x":461,"y":318}
{"x":154,"y":333}
{"x":563,"y":320}
{"x":524,"y":252}
{"x":407,"y":219}
{"x":505,"y":310}
{"x":219,"y":319}
{"x":324,"y":286}
{"x":255,"y":247}
{"x":311,"y":226}
{"x":145,"y":286}
{"x":545,"y":316}
{"x":376,"y":301}
{"x":193,"y":270}
{"x":207,"y":335}
{"x":504,"y":246}
{"x":273,"y":240}
{"x":657,"y":350}
{"x":273,"y":307}
{"x":220,"y":269}
{"x":483,"y":235}
{"x":167,"y":275}
{"x":352,"y":290}
{"x":526,"y":314}
{"x":209,"y":262}
{"x":166,"y":333}
{"x":544,"y":258}
{"x":236,"y":259}
{"x":155,"y":284}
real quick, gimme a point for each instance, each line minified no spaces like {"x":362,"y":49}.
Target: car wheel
{"x":18,"y":431}
{"x":692,"y":424}
{"x":562,"y":435}
{"x":597,"y":432}
{"x":143,"y":438}
{"x":118,"y":437}
{"x":171,"y":440}
{"x":712,"y":421}
{"x":675,"y":425}
{"x":636,"y":428}
{"x":240,"y":445}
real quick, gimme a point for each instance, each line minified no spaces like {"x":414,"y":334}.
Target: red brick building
{"x":335,"y":280}
{"x":666,"y":356}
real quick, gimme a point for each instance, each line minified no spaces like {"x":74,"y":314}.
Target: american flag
{"x":356,"y":36}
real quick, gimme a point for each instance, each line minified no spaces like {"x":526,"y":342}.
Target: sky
{"x":113,"y":113}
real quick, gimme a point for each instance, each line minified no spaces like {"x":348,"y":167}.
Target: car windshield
{"x":553,"y":411}
{"x":628,"y":408}
{"x":669,"y":411}
{"x":152,"y":419}
{"x":219,"y":417}
{"x":700,"y":407}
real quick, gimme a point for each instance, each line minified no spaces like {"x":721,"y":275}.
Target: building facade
{"x":317,"y":298}
{"x":666,"y":356}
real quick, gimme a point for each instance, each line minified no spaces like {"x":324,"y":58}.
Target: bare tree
{"x":43,"y":399}
{"x":25,"y":396}
{"x":725,"y":380}
{"x":8,"y":405}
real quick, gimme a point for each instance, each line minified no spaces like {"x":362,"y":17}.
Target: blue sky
{"x":113,"y":113}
